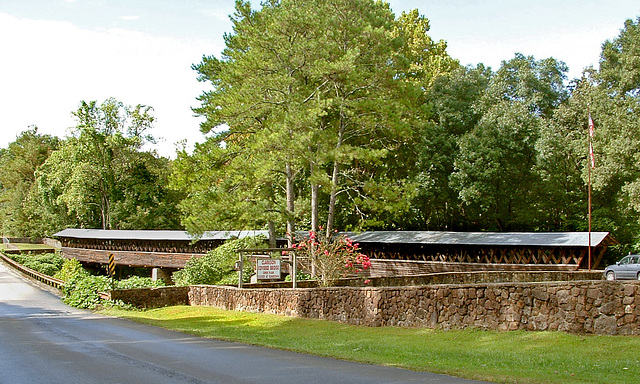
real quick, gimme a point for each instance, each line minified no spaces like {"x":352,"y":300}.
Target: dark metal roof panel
{"x":549,"y":239}
{"x":153,"y":234}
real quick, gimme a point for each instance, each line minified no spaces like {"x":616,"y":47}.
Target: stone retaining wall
{"x":151,"y":297}
{"x":600,"y":307}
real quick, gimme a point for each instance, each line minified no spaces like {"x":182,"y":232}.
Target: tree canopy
{"x":314,"y":90}
{"x":96,"y":178}
{"x":342,"y":115}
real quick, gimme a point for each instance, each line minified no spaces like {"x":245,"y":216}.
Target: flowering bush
{"x":332,"y":258}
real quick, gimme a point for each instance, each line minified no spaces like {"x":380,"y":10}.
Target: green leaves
{"x":620,"y":61}
{"x":99,"y":178}
{"x":311,"y":91}
{"x":20,"y":163}
{"x":217,"y":266}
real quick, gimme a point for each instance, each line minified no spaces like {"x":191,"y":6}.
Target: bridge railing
{"x":52,"y":281}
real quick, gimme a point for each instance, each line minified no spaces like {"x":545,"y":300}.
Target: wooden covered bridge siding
{"x":142,"y":245}
{"x":393,"y":253}
{"x":574,"y":257}
{"x":130,"y":258}
{"x":161,"y":249}
{"x":135,"y":252}
{"x":448,"y":251}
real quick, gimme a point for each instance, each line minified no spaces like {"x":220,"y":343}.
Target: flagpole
{"x":589,"y":188}
{"x":590,"y":165}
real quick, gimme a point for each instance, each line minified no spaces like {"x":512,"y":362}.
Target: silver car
{"x":626,"y":269}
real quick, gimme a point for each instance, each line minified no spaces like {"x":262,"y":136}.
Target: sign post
{"x":239,"y":265}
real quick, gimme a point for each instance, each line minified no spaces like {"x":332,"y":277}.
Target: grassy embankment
{"x":24,"y":247}
{"x":505,"y":357}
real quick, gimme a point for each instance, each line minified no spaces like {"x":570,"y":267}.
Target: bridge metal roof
{"x":168,"y":235}
{"x":542,"y":239}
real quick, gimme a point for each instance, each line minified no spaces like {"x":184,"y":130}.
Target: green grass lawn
{"x":504,"y":357}
{"x":25,"y":247}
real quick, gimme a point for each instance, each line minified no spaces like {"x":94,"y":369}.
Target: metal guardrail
{"x":52,"y":281}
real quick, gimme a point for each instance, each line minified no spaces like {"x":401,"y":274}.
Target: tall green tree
{"x":313,"y":90}
{"x":538,"y":84}
{"x":620,"y":62}
{"x":19,"y":163}
{"x":261,"y":98}
{"x":493,"y":170}
{"x":379,"y":194}
{"x":101,"y":179}
{"x":455,"y":101}
{"x":561,"y":151}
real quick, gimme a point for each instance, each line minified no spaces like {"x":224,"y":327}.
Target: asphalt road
{"x":44,"y":341}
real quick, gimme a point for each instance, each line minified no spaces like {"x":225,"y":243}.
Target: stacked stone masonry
{"x":600,"y":307}
{"x":152,"y":297}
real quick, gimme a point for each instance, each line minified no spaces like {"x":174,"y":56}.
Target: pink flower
{"x":367,"y":281}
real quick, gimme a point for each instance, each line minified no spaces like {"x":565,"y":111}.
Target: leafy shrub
{"x":300,"y":276}
{"x":51,"y":258}
{"x":139,"y":282}
{"x":217,"y":266}
{"x":70,"y":269}
{"x":48,"y":263}
{"x":82,"y":291}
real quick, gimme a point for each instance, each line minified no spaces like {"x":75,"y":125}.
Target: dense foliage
{"x":19,"y":163}
{"x":99,"y":177}
{"x":49,"y":264}
{"x":342,"y":112}
{"x":461,"y":148}
{"x":82,"y":290}
{"x":70,"y":269}
{"x":218,"y":265}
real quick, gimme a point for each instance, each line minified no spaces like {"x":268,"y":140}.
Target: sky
{"x":56,"y":53}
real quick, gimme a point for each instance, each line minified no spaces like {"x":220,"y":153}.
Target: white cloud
{"x":49,"y":67}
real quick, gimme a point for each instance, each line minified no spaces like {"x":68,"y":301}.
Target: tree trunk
{"x":315,"y":189}
{"x":334,"y":182}
{"x":106,"y":216}
{"x":272,"y":234}
{"x":332,"y":199}
{"x":290,"y":211}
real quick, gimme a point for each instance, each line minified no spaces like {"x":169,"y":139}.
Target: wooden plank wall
{"x":130,"y":258}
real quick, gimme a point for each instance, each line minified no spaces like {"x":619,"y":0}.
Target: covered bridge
{"x":392,"y":252}
{"x":432,"y":251}
{"x":142,"y":248}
